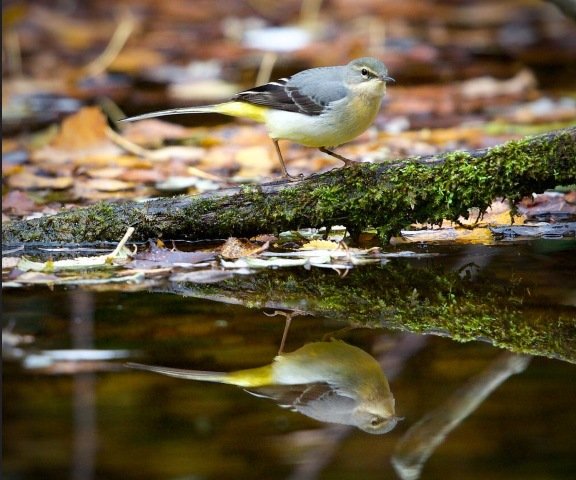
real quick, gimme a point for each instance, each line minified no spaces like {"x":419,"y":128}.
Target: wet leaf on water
{"x":450,"y":234}
{"x":8,"y":263}
{"x":239,"y":247}
{"x":202,"y":276}
{"x":536,"y":231}
{"x":320,"y":245}
{"x":549,"y":203}
{"x":78,"y":263}
{"x":161,"y":257}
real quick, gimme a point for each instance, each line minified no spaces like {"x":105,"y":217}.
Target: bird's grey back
{"x":307,"y":92}
{"x":323,"y":85}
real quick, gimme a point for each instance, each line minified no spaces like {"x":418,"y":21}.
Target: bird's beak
{"x":387,"y":79}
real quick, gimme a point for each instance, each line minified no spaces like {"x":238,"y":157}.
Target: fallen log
{"x":386,"y":196}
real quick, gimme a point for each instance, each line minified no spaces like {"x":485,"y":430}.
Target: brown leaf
{"x":106,"y":172}
{"x":85,"y":128}
{"x":141,"y":175}
{"x":107,"y":185}
{"x":153,"y":131}
{"x":18,"y":203}
{"x":30,"y":181}
{"x":240,"y":247}
{"x":159,"y":257}
{"x":255,"y":161}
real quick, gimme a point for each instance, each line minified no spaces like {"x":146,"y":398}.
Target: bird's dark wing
{"x":316,"y":400}
{"x":290,"y":395}
{"x":308,"y":92}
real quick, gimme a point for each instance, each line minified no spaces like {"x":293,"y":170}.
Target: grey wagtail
{"x":329,"y":381}
{"x":320,"y":107}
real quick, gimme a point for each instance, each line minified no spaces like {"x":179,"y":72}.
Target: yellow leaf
{"x":320,"y":245}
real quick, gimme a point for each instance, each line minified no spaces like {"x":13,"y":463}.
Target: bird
{"x":330,"y":381}
{"x":320,"y":107}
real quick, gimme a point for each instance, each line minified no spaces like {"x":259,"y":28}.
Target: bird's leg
{"x":285,"y":332}
{"x":286,"y":326}
{"x":284,"y":170}
{"x":347,"y":161}
{"x":288,"y":316}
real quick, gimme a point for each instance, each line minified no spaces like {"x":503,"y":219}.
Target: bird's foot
{"x":347,"y":161}
{"x":293,"y":178}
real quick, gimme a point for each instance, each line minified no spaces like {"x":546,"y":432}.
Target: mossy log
{"x":385,"y":196}
{"x":415,"y":296}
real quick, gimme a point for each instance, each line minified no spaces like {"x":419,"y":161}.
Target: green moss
{"x":384,"y":197}
{"x":417,"y":299}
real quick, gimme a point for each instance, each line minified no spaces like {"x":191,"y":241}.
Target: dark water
{"x":95,"y":419}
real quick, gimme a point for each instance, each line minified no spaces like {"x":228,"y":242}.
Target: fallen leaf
{"x":107,"y":172}
{"x":548,"y":203}
{"x":135,"y":59}
{"x":9,"y":263}
{"x":176,"y":152}
{"x":486,"y":87}
{"x":82,"y":263}
{"x":547,"y":230}
{"x":141,"y":175}
{"x":255,"y":161}
{"x":107,"y":185}
{"x":177,"y":184}
{"x":202,"y":276}
{"x":320,"y":245}
{"x":17,"y":202}
{"x":106,"y":159}
{"x":238,"y":248}
{"x":83,"y":129}
{"x":455,"y":235}
{"x":36,"y":277}
{"x":29,"y":181}
{"x":160,"y":257}
{"x":202,"y":91}
{"x":153,"y":131}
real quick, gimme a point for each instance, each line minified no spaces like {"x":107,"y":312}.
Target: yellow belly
{"x":342,"y":124}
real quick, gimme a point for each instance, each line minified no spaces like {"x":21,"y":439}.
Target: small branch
{"x":125,"y":27}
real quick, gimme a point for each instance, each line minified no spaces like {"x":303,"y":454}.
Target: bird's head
{"x":367,"y":75}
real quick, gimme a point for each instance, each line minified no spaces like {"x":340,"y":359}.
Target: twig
{"x":266,"y":66}
{"x":122,"y":242}
{"x":154,"y":155}
{"x":125,"y":27}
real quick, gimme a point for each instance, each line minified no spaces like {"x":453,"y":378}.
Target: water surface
{"x":95,"y":419}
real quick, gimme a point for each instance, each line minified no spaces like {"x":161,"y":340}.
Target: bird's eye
{"x":364,"y":72}
{"x":376,"y":421}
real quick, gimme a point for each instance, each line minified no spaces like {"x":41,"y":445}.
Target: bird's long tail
{"x":174,"y":111}
{"x":183,"y":373}
{"x":253,"y":377}
{"x":232,"y":108}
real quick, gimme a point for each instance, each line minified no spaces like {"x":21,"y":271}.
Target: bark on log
{"x":386,"y":196}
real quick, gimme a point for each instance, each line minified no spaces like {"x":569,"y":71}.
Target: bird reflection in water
{"x":329,"y":381}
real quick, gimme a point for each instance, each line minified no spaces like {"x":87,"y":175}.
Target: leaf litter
{"x":74,"y":157}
